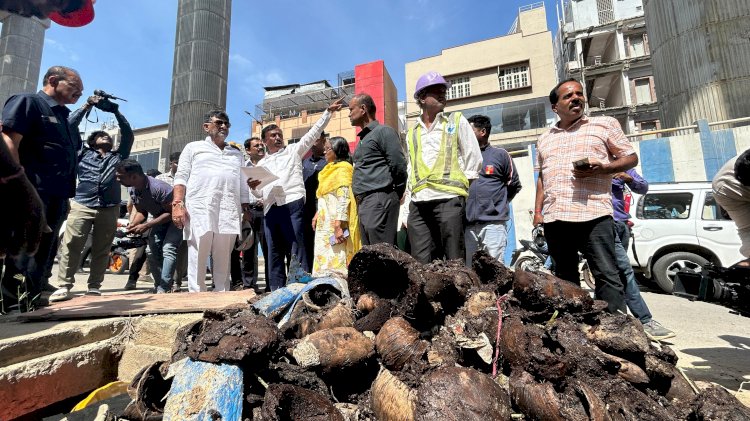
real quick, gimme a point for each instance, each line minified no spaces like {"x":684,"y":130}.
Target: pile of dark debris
{"x":430,"y":342}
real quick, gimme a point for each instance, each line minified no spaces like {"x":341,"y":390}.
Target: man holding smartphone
{"x":576,"y":159}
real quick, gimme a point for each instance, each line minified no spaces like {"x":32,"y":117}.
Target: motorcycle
{"x":533,"y":256}
{"x":119,"y":261}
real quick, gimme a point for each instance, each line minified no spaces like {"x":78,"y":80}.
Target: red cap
{"x":76,"y":18}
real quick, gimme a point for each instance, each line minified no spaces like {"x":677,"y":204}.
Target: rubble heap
{"x":426,"y":342}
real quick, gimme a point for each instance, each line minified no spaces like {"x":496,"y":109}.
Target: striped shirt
{"x":571,"y":199}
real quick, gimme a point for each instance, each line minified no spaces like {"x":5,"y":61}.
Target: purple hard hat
{"x":429,"y":79}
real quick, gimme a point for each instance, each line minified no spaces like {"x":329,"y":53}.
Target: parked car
{"x":680,"y":225}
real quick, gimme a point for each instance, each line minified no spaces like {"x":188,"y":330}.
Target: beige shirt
{"x":567,"y":198}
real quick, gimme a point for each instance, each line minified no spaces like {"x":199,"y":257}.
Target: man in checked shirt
{"x":573,"y":201}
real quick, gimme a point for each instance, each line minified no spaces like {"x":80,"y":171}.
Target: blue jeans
{"x":163,"y":243}
{"x":489,"y":236}
{"x":633,"y":298}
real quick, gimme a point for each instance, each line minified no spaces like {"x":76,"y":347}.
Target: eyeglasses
{"x":221,"y":123}
{"x":76,"y":86}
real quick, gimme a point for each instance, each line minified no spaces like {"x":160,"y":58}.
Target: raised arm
{"x":306,"y":142}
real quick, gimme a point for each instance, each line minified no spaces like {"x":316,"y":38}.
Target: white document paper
{"x":259,"y":173}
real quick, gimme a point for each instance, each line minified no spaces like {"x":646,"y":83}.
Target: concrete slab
{"x":137,"y":304}
{"x":135,"y":357}
{"x":35,"y":384}
{"x":56,"y":338}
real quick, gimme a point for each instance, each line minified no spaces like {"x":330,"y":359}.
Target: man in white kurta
{"x":210,"y":196}
{"x":284,"y":199}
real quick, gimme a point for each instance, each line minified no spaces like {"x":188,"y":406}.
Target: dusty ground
{"x":712,"y":343}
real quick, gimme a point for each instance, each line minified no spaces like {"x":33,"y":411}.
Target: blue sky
{"x":128,"y":49}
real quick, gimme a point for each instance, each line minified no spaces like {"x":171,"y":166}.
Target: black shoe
{"x":130,"y":285}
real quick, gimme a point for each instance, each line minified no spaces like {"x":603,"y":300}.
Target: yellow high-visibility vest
{"x":446,"y":174}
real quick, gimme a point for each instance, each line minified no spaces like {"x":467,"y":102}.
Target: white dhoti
{"x":215,"y":188}
{"x":219,"y":246}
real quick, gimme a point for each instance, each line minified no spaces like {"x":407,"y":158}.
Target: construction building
{"x":507,"y":78}
{"x":295,"y":108}
{"x":604,"y":44}
{"x":701,"y":56}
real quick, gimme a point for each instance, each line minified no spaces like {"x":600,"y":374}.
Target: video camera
{"x":124,"y":241}
{"x":99,"y":92}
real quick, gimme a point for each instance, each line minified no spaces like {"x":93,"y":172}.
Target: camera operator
{"x":96,"y":203}
{"x":152,"y":196}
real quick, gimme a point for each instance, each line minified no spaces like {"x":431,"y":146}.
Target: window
{"x":297,"y":134}
{"x":647,"y":126}
{"x":665,"y":206}
{"x":605,"y":11}
{"x":514,"y":77}
{"x":643,"y":91}
{"x":637,"y":45}
{"x":148,"y":160}
{"x":527,"y":114}
{"x":460,"y":87}
{"x":712,"y":211}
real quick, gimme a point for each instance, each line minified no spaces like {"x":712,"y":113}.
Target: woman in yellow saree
{"x":336,"y":224}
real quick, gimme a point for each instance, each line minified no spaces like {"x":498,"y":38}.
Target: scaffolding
{"x":291,"y":100}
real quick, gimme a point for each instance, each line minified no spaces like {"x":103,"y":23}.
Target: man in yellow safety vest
{"x":444,"y":157}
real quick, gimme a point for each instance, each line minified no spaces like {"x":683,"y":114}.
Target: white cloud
{"x":61,"y":49}
{"x":250,"y":76}
{"x":238,"y":60}
{"x":427,"y":22}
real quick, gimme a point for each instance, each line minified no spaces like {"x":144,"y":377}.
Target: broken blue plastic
{"x":277,"y":301}
{"x":205,"y":391}
{"x":284,"y":299}
{"x":310,"y":286}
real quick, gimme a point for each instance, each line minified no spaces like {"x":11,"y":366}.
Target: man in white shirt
{"x":284,"y":199}
{"x":444,"y":157}
{"x":210,"y":200}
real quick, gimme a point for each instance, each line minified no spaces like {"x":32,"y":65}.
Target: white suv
{"x":680,"y":225}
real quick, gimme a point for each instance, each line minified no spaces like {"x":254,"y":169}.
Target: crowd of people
{"x":442,"y":192}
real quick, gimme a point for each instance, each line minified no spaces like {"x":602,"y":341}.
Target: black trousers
{"x":436,"y":229}
{"x":378,"y":217}
{"x":37,"y":269}
{"x":595,"y":239}
{"x":284,"y":237}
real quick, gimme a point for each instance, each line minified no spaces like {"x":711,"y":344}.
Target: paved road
{"x":712,"y":343}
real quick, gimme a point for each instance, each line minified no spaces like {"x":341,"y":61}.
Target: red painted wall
{"x":372,"y":79}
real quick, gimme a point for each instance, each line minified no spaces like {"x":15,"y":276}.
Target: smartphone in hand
{"x":582,"y":164}
{"x":333,"y":237}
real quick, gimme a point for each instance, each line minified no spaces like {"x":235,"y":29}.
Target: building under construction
{"x":296,"y":107}
{"x":604,"y":44}
{"x":701,"y":53}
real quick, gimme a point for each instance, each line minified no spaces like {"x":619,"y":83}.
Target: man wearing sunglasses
{"x":210,"y":200}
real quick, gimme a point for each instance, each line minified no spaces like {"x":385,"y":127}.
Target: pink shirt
{"x":571,"y":199}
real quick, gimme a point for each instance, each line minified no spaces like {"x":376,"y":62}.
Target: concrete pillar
{"x":620,"y":40}
{"x":21,"y":43}
{"x":201,"y":60}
